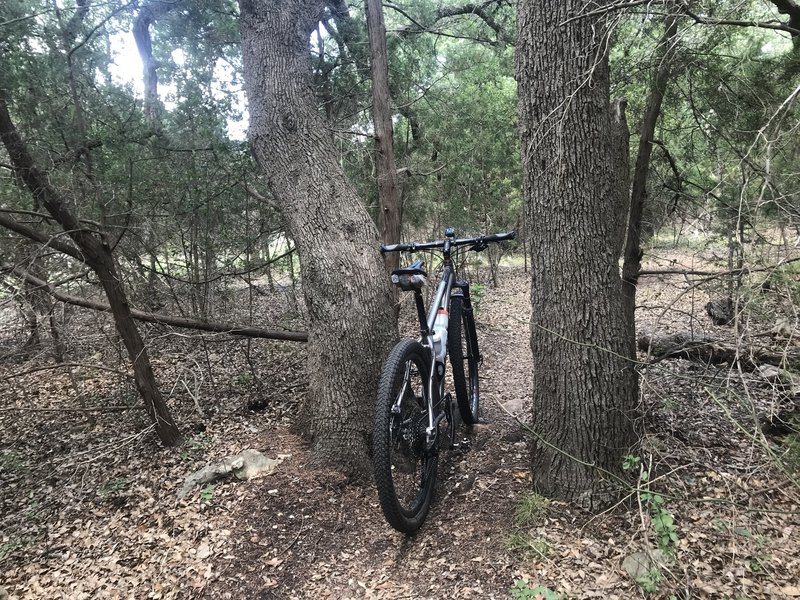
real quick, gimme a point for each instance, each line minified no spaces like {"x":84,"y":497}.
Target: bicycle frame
{"x":441,"y":301}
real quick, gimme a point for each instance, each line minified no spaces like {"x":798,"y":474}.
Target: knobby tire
{"x":405,"y":471}
{"x":462,"y":346}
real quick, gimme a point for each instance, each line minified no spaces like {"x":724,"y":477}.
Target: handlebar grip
{"x":398,"y":248}
{"x":500,"y":237}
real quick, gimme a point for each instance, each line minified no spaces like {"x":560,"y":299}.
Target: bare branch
{"x":479,"y":10}
{"x":65,"y":365}
{"x":774,"y":25}
{"x":148,"y":317}
{"x":43,"y":238}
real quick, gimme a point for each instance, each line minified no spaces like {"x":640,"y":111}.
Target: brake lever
{"x":479,"y":246}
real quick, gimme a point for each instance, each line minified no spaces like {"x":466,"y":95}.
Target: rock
{"x":639,"y":564}
{"x":781,"y":378}
{"x":248,"y":464}
{"x":254,"y":464}
{"x":514,"y":406}
{"x":783,"y":328}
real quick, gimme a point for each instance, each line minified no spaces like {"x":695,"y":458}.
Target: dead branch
{"x":713,"y":351}
{"x":60,"y":410}
{"x":46,"y":240}
{"x":445,"y":12}
{"x":148,"y":317}
{"x":715,"y":274}
{"x":774,"y":25}
{"x":65,"y":365}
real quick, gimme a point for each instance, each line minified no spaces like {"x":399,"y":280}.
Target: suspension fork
{"x":463,"y":291}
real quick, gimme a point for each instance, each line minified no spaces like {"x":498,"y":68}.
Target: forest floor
{"x":89,"y":506}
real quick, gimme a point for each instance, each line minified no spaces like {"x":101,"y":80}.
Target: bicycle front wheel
{"x":405,"y":468}
{"x":462,"y":346}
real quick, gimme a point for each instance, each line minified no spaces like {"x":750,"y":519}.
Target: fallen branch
{"x":65,"y":365}
{"x":61,"y":410}
{"x":148,"y":317}
{"x":715,"y":274}
{"x":713,"y":351}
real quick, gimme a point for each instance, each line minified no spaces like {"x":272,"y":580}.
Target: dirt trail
{"x":88,"y":505}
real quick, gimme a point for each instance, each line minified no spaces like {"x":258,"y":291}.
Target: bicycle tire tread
{"x":462,"y":324}
{"x":394,"y":513}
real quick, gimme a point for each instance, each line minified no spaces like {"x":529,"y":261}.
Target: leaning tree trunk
{"x":96,"y":253}
{"x":585,"y":386}
{"x":344,"y":285}
{"x":633,"y":243}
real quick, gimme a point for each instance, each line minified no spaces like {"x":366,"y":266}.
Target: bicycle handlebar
{"x":479,"y":243}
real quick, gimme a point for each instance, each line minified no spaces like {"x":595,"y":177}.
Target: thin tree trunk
{"x":633,"y":243}
{"x":147,"y":14}
{"x":585,"y":386}
{"x":98,"y":257}
{"x":345,"y":289}
{"x":388,"y":191}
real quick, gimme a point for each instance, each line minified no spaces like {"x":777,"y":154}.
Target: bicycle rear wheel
{"x":405,"y":469}
{"x":462,"y":346}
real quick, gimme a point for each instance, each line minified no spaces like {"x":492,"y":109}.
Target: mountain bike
{"x":412,"y":402}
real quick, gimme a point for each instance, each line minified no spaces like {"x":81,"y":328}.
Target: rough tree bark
{"x":346,"y":291}
{"x":97,"y":255}
{"x":388,"y":191}
{"x":585,"y":386}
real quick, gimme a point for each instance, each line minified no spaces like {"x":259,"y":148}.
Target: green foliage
{"x":791,"y":445}
{"x":207,"y":493}
{"x":530,"y":509}
{"x":663,"y":523}
{"x":521,"y":591}
{"x":112,"y":486}
{"x":7,"y":548}
{"x":661,"y":520}
{"x":477,"y":292}
{"x":631,"y":462}
{"x":194,"y":444}
{"x":528,"y":545}
{"x":650,"y":581}
{"x":11,"y":461}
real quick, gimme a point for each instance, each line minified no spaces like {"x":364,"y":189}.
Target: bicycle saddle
{"x":414,"y":268}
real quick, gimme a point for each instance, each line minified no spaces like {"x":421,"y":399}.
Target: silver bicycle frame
{"x":441,"y":300}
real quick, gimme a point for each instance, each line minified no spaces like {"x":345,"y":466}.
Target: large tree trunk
{"x":585,"y":386}
{"x":346,"y":291}
{"x":388,"y":191}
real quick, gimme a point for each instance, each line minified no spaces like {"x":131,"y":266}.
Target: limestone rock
{"x":248,"y":464}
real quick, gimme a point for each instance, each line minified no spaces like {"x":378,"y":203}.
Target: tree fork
{"x":351,"y":321}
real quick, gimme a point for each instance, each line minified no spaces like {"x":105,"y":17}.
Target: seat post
{"x":423,"y":319}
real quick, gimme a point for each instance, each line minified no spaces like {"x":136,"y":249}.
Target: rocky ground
{"x":89,"y":505}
